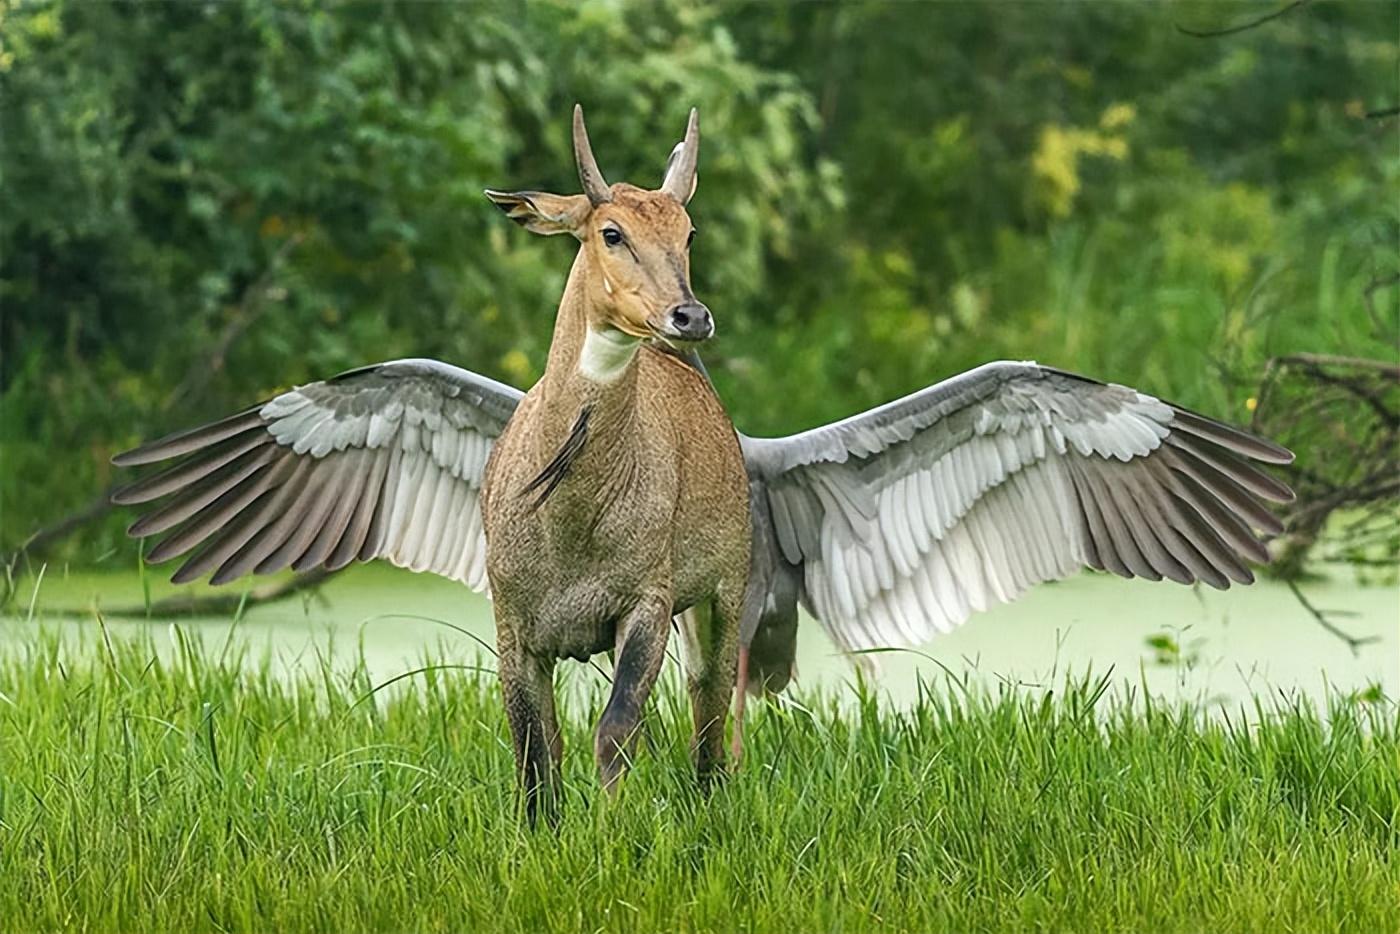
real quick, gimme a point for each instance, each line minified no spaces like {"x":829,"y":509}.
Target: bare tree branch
{"x":36,"y":543}
{"x":1353,"y":642}
{"x":1384,"y":367}
{"x":223,"y":603}
{"x":1346,"y":410}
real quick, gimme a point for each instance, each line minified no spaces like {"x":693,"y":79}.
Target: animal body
{"x":616,"y":497}
{"x":615,"y":494}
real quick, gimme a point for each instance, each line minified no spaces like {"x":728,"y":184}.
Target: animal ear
{"x":542,"y":213}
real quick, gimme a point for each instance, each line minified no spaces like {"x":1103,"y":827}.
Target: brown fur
{"x":651,"y":517}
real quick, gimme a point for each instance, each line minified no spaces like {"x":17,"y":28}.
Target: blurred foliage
{"x":205,"y":202}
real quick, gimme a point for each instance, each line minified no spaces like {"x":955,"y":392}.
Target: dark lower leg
{"x":710,"y":682}
{"x":638,"y":663}
{"x":527,"y":695}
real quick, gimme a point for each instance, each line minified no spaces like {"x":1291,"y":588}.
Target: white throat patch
{"x":606,"y":354}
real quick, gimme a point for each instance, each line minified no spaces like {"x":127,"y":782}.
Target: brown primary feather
{"x":184,"y":442}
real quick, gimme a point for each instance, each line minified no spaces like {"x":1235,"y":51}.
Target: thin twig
{"x":1386,"y":368}
{"x":1383,"y":113}
{"x":1353,"y":642}
{"x":1232,"y":30}
{"x":1369,"y":296}
{"x":36,"y":543}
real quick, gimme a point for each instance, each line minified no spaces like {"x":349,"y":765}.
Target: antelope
{"x":607,"y":500}
{"x":616,"y":496}
{"x":613,"y":494}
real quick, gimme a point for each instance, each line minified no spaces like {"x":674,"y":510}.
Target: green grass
{"x":144,"y":793}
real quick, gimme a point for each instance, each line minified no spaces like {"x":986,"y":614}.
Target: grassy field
{"x":141,"y":793}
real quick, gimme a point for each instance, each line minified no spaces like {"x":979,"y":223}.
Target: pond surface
{"x":1224,"y":648}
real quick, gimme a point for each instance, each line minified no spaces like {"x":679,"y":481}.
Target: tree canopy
{"x":207,"y":202}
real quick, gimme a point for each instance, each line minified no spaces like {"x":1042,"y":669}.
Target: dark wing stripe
{"x":1131,"y":502}
{"x":215,"y":547}
{"x":354,"y":538}
{"x":1104,"y":545}
{"x":209,"y":521}
{"x":1186,"y":463}
{"x":311,"y":511}
{"x":343,"y":502}
{"x":1203,"y":535}
{"x":1123,"y":542}
{"x":375,"y":537}
{"x":238,"y":551}
{"x":1180,"y":560}
{"x":183,"y":442}
{"x":1175,"y":526}
{"x":1092,"y":557}
{"x":1198,"y":530}
{"x":1227,"y":524}
{"x":1143,"y":540}
{"x":226,"y":542}
{"x":1241,"y":442}
{"x":1256,"y":481}
{"x":191,"y":471}
{"x":202,"y":494}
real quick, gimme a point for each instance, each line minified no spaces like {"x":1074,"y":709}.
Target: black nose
{"x":691,"y":322}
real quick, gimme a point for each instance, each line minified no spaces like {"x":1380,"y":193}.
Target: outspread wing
{"x":907,"y":518}
{"x":380,"y":462}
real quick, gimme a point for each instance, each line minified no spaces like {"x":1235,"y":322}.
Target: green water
{"x":1231,"y":646}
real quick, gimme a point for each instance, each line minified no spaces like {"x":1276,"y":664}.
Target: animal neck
{"x":588,"y":367}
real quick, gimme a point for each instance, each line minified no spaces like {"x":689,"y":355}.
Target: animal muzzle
{"x":688,"y":321}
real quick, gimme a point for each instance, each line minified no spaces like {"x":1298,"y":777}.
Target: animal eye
{"x":612,"y":236}
{"x":690,"y":238}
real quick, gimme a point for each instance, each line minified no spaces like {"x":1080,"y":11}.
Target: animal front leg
{"x":527,"y":686}
{"x":643,"y":648}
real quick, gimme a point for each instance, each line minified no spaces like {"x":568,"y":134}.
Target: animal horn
{"x":594,"y":185}
{"x":680,"y":174}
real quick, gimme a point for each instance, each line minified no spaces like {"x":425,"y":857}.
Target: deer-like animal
{"x":616,"y":496}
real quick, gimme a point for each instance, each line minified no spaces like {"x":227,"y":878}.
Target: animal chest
{"x":566,"y":564}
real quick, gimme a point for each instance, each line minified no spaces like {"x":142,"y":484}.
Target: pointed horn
{"x":594,"y":185}
{"x":680,"y":175}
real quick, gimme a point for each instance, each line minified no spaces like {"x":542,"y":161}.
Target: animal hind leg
{"x":712,"y":636}
{"x":527,"y":686}
{"x":642,"y":648}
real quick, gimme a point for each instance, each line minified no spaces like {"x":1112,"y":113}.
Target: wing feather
{"x":906,"y":519}
{"x":198,"y":496}
{"x":385,"y":461}
{"x":347,"y":496}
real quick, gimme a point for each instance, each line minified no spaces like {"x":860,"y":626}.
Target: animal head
{"x":635,"y":242}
